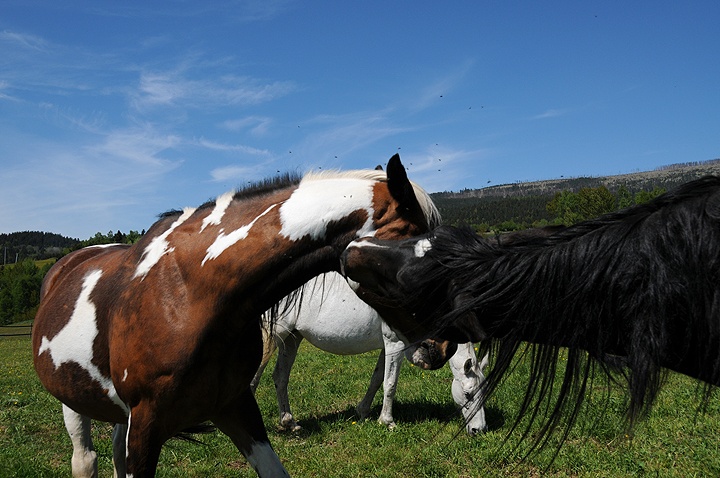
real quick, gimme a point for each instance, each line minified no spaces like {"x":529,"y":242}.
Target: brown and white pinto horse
{"x":166,"y":334}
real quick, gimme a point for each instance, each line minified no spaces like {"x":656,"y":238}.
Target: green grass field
{"x":429,"y":440}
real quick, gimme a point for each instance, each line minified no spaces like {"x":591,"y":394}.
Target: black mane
{"x":639,"y":289}
{"x":253,"y":189}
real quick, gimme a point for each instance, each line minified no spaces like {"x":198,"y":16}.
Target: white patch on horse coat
{"x":315,"y":203}
{"x":265,"y":461}
{"x":74,"y":343}
{"x":159,"y":246}
{"x":224,"y":241}
{"x":127,"y":440}
{"x":221,"y":205}
{"x":353,"y":285}
{"x":365,"y":244}
{"x":421,"y":247}
{"x":125,"y":375}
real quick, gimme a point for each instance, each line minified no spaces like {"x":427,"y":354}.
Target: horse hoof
{"x":390,"y":424}
{"x":288,"y":424}
{"x":294,"y":428}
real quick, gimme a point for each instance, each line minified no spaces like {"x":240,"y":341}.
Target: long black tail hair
{"x":637,"y":290}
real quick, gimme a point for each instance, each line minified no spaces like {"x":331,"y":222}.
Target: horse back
{"x":69,"y":262}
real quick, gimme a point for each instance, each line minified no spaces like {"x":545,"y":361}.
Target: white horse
{"x":332,"y":318}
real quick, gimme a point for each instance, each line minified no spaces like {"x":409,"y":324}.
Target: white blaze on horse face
{"x":221,"y":205}
{"x":159,"y":246}
{"x":224,"y":241}
{"x":74,"y":343}
{"x":421,"y":247}
{"x":315,"y":203}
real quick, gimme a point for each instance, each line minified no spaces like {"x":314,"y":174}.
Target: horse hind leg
{"x":269,"y":347}
{"x":287,"y":352}
{"x":363,"y":408}
{"x":393,"y":360}
{"x":84,"y":458}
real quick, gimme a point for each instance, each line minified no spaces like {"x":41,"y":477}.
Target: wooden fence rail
{"x":15,"y":330}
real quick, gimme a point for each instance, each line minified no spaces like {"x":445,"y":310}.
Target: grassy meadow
{"x":429,"y":441}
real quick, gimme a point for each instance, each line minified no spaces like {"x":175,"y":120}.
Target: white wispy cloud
{"x":87,"y":183}
{"x":23,"y":40}
{"x":441,"y":168}
{"x":551,"y":113}
{"x":137,"y":145}
{"x":173,"y":88}
{"x":342,"y":135}
{"x":441,"y":86}
{"x":233,"y":148}
{"x":256,"y":125}
{"x":233,"y":173}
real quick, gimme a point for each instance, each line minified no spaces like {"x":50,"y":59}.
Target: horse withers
{"x":332,"y":318}
{"x":166,"y":334}
{"x":638,"y":289}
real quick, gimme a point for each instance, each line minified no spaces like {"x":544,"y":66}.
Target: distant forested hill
{"x":525,"y":204}
{"x":33,"y":245}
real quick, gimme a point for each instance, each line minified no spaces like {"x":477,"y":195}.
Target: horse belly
{"x":334,"y":319}
{"x":343,"y":333}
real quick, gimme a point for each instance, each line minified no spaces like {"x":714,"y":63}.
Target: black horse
{"x":637,"y":290}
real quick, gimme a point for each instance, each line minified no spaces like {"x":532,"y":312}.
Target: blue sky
{"x":113,"y":112}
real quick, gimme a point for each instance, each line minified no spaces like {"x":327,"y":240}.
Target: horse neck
{"x":255,"y":251}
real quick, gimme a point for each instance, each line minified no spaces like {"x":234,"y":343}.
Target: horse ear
{"x":378,"y":167}
{"x":399,"y":184}
{"x":485,"y":361}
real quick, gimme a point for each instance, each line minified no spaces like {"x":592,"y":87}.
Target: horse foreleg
{"x":84,"y":458}
{"x":363,"y":408}
{"x":287,"y":352}
{"x":242,"y":422}
{"x":119,"y":437}
{"x":393,"y":360}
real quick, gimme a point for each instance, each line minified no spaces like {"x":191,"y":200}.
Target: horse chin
{"x":432,"y":354}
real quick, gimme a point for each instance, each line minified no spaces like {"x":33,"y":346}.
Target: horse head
{"x":467,"y":387}
{"x":391,"y":276}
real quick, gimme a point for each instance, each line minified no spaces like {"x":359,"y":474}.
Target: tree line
{"x":494,"y":214}
{"x":20,"y":280}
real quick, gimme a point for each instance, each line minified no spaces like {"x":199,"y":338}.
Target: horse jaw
{"x":431,"y":354}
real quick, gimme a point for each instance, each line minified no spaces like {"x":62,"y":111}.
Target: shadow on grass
{"x":403,"y":412}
